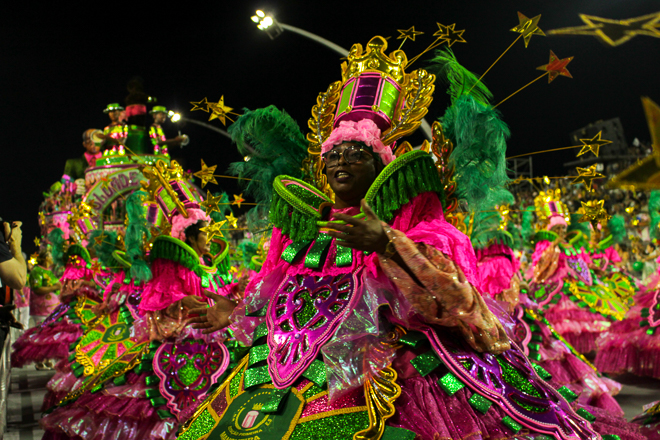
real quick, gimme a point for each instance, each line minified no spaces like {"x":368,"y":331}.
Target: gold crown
{"x":542,"y":205}
{"x":258,"y":406}
{"x":375,"y":60}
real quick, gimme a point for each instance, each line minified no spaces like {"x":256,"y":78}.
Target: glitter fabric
{"x":515,"y":378}
{"x":235,"y":385}
{"x":202,"y":425}
{"x":586,"y":414}
{"x":312,"y":391}
{"x":276,"y":399}
{"x":306,"y":196}
{"x":511,"y":424}
{"x":256,"y":376}
{"x":450,"y":383}
{"x":567,"y":393}
{"x":412,"y":338}
{"x":541,"y":372}
{"x":338,"y":427}
{"x":292,"y":250}
{"x":480,"y":403}
{"x":426,"y":362}
{"x":314,"y":257}
{"x":316,"y":373}
{"x":258,"y":354}
{"x":260,"y":331}
{"x":344,"y":256}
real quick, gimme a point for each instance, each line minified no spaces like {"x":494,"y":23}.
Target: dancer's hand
{"x":365,"y":235}
{"x":213,"y":318}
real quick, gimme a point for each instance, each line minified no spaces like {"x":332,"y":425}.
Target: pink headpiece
{"x":365,"y":131}
{"x":556,"y":220}
{"x":180,"y":223}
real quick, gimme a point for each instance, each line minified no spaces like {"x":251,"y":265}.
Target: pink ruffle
{"x":39,"y":344}
{"x":365,"y":131}
{"x":496,"y":271}
{"x":171,"y":282}
{"x":612,"y":255}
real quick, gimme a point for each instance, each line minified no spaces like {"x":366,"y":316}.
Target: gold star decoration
{"x":202,"y":105}
{"x":408,"y":33}
{"x":233,"y":269}
{"x":556,"y":67}
{"x":449,"y":34}
{"x":594,"y":212}
{"x":206,"y":174}
{"x":211,"y":203}
{"x":587,"y":175}
{"x":37,"y":242}
{"x":528,"y":27}
{"x":593,"y":144}
{"x":213,"y":230}
{"x":504,"y":211}
{"x":42,"y":218}
{"x":105,"y":181}
{"x":233,"y":221}
{"x":614,"y":32}
{"x":99,"y":239}
{"x":238,"y":199}
{"x":220,"y":111}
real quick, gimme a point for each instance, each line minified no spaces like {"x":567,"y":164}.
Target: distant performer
{"x":115,"y":133}
{"x":74,"y":170}
{"x":157,"y":136}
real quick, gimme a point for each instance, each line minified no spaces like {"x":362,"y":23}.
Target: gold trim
{"x":442,"y":149}
{"x":380,"y":391}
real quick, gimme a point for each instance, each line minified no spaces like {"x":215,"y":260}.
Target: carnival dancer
{"x":364,"y":321}
{"x":74,"y":169}
{"x":158,"y":139}
{"x":155,"y":383}
{"x":116,"y":132}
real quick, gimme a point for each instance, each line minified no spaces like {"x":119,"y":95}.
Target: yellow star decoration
{"x":528,"y":27}
{"x":211,"y":203}
{"x":504,"y":211}
{"x":594,"y":212}
{"x":449,"y":34}
{"x":233,"y":269}
{"x":219,"y":110}
{"x":37,"y":242}
{"x":213,"y":230}
{"x":593,"y":144}
{"x":614,"y":32}
{"x":33,"y":259}
{"x":233,"y":221}
{"x":42,"y":218}
{"x":105,"y":181}
{"x":408,"y":33}
{"x":238,"y":200}
{"x":206,"y":174}
{"x":587,"y":175}
{"x":202,"y":105}
{"x":99,"y":239}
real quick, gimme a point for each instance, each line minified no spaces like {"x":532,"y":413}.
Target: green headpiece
{"x":158,"y":109}
{"x":113,"y":107}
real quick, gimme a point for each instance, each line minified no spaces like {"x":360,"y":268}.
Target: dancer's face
{"x":350,"y":181}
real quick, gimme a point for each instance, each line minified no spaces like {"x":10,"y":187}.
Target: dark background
{"x":60,"y":66}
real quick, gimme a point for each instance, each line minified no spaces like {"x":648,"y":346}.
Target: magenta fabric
{"x":612,"y":255}
{"x":496,"y":264}
{"x":77,"y":272}
{"x":171,"y":282}
{"x":45,"y":342}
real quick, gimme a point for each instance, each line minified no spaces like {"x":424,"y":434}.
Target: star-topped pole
{"x":213,"y":230}
{"x":238,"y":199}
{"x":527,"y":27}
{"x":614,"y":32}
{"x":593,"y":144}
{"x":553,"y":69}
{"x":444,"y":34}
{"x":206,"y":174}
{"x":202,"y":105}
{"x":211,"y":203}
{"x":587,"y":175}
{"x":218,"y":110}
{"x":404,"y":34}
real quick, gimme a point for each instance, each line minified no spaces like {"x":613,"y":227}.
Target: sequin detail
{"x":339,"y":427}
{"x":450,"y":383}
{"x":292,"y":250}
{"x":426,"y":362}
{"x":202,"y":425}
{"x":314,"y":257}
{"x":344,"y":256}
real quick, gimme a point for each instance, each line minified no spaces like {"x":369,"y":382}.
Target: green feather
{"x":106,"y":248}
{"x":486,"y":224}
{"x":136,"y":232}
{"x":617,"y":227}
{"x":479,"y":137}
{"x":56,"y":240}
{"x":527,"y":227}
{"x":575,"y":225}
{"x":654,"y":212}
{"x":460,"y":80}
{"x":275,"y":145}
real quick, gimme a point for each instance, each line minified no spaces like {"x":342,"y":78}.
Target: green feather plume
{"x":617,"y":227}
{"x":136,"y":232}
{"x":56,"y":240}
{"x":104,"y":250}
{"x":654,"y":213}
{"x":275,"y":145}
{"x":249,"y":249}
{"x":486,"y":225}
{"x":527,"y":225}
{"x":460,"y":80}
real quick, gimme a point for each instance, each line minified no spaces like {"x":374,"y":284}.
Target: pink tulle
{"x":171,"y":282}
{"x":612,"y":255}
{"x":497,"y":265}
{"x":180,"y":223}
{"x":365,"y":131}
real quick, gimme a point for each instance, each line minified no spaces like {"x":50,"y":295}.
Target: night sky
{"x":60,"y":67}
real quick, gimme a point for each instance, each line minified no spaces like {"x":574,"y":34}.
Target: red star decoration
{"x":556,"y":67}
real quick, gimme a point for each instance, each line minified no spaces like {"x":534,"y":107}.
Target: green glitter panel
{"x":151,"y":380}
{"x":569,"y":395}
{"x":292,"y":250}
{"x":345,"y":97}
{"x":412,"y":338}
{"x":158,"y":401}
{"x":392,"y":433}
{"x":164,"y":414}
{"x":480,"y":403}
{"x":316,"y":373}
{"x":152,"y":393}
{"x":305,"y":195}
{"x":450,"y":383}
{"x":121,"y":380}
{"x":235,"y":385}
{"x":260,"y":332}
{"x":344,"y":256}
{"x":426,"y":362}
{"x":312,"y":391}
{"x":586,"y":415}
{"x":533,"y":347}
{"x":534,"y":355}
{"x":258,"y":354}
{"x":511,"y":424}
{"x":388,"y":99}
{"x":276,"y":399}
{"x":339,"y":427}
{"x":541,"y":371}
{"x":515,"y":378}
{"x":308,"y":310}
{"x":314,"y":258}
{"x":611,"y":437}
{"x":256,"y":376}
